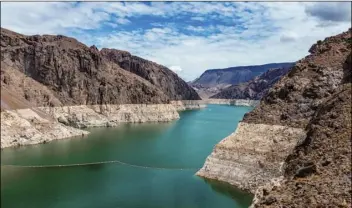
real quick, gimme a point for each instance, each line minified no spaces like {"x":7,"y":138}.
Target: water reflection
{"x":242,"y":198}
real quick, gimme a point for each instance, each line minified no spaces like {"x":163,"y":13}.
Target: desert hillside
{"x":53,"y":70}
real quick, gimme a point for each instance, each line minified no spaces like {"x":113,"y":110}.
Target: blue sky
{"x":188,"y":37}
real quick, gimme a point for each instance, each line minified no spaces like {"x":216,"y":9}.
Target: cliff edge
{"x":259,"y":151}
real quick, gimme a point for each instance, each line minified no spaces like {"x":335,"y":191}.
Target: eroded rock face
{"x":302,"y":101}
{"x":293,"y":100}
{"x":252,"y":155}
{"x":254,"y":89}
{"x":77,"y":74}
{"x":85,"y":116}
{"x":26,"y":127}
{"x":49,"y":83}
{"x":318,"y":171}
{"x":160,"y":76}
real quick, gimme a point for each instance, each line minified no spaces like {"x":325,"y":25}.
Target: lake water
{"x":183,"y":144}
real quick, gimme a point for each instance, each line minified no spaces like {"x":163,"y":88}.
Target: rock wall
{"x":84,"y":116}
{"x":26,"y":127}
{"x":274,"y":141}
{"x":252,"y":155}
{"x":66,"y":72}
{"x":317,"y":173}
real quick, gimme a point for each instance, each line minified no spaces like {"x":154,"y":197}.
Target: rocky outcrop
{"x":274,"y":132}
{"x":293,"y":100}
{"x":49,"y":83}
{"x":26,"y":127}
{"x":160,"y":76}
{"x":253,"y":154}
{"x":254,"y":89}
{"x":85,"y":116}
{"x":318,"y":171}
{"x":43,"y":124}
{"x":78,"y":75}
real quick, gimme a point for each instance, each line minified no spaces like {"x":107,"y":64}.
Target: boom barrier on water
{"x":98,"y":163}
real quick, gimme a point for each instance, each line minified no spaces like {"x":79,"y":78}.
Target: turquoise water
{"x":184,"y":143}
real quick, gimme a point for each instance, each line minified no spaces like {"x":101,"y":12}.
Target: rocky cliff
{"x":254,"y":89}
{"x":318,"y":171}
{"x":75,"y":74}
{"x":51,"y":83}
{"x":281,"y":137}
{"x":158,"y":75}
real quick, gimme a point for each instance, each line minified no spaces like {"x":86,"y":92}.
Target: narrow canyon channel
{"x":163,"y":159}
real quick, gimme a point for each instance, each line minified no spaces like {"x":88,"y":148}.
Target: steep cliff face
{"x":51,"y":83}
{"x":254,"y":89}
{"x":293,"y":100}
{"x":77,"y":74}
{"x":260,"y":149}
{"x":163,"y":78}
{"x":318,"y":171}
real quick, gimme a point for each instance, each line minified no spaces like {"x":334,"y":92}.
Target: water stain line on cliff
{"x":97,"y":163}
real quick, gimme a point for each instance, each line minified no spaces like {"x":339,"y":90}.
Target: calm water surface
{"x":184,"y":143}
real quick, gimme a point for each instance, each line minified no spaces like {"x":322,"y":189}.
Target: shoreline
{"x":38,"y":125}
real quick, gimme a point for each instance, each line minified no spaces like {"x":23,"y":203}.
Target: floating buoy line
{"x":97,"y":163}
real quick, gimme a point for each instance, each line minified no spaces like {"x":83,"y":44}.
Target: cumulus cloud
{"x":195,"y":29}
{"x":215,"y":35}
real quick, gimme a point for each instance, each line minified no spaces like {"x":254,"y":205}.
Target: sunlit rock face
{"x":278,"y":144}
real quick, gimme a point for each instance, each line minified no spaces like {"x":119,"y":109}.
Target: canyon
{"x":293,"y":148}
{"x":53,"y":86}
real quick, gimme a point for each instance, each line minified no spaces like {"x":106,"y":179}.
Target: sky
{"x":187,"y":37}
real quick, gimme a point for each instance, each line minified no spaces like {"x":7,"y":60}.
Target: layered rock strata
{"x":26,"y":127}
{"x":271,"y":134}
{"x":65,"y":72}
{"x":317,"y":173}
{"x":111,"y":115}
{"x":43,"y":124}
{"x":251,"y":155}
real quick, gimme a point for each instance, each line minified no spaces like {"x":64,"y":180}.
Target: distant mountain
{"x":254,"y":89}
{"x":212,"y":81}
{"x":235,"y":75}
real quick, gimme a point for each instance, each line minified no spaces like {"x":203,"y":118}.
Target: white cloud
{"x":195,"y":28}
{"x":240,"y":33}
